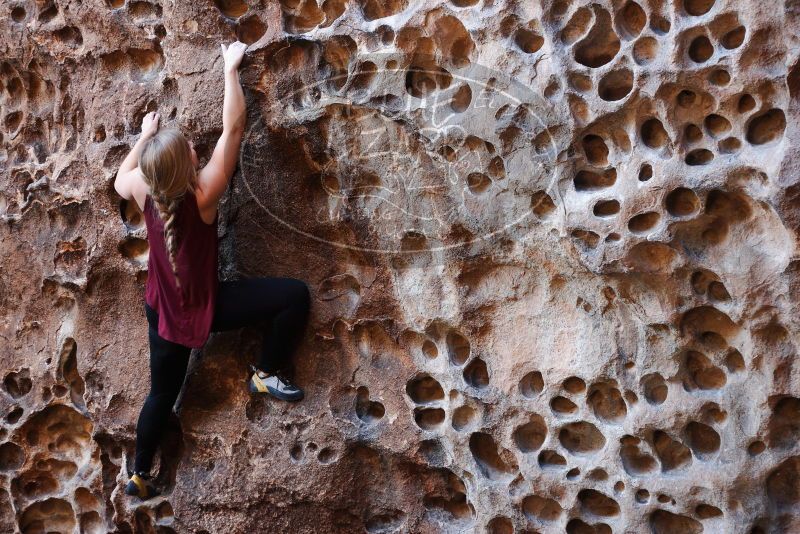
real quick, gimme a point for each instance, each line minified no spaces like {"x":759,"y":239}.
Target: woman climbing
{"x":183,"y":299}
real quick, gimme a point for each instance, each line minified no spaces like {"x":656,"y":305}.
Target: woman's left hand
{"x":150,"y":124}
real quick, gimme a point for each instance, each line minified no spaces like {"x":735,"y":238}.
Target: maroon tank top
{"x":185,"y":314}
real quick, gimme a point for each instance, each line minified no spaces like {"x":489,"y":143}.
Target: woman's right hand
{"x":150,"y":124}
{"x":233,"y":54}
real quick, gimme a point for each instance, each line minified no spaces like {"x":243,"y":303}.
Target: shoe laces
{"x":284,"y":377}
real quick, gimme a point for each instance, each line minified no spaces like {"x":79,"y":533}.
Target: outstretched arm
{"x":213,"y":178}
{"x":128,"y":180}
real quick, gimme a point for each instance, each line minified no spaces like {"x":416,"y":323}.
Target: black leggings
{"x":280,"y":303}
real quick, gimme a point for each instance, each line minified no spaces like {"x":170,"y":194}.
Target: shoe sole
{"x":274,"y":392}
{"x":132,"y":490}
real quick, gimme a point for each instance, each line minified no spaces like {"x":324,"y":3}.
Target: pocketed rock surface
{"x":551,"y":248}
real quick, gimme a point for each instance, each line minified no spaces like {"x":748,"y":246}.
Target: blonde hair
{"x":168,"y":169}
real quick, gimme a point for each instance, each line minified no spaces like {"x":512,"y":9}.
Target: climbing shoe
{"x":141,"y":485}
{"x":275,"y":383}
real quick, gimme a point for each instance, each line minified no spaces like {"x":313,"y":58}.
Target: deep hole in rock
{"x":595,"y":149}
{"x":378,"y":9}
{"x":682,"y":202}
{"x":12,"y":121}
{"x":500,"y":525}
{"x":424,"y":389}
{"x":717,"y":125}
{"x":464,"y":417}
{"x":653,"y":134}
{"x":645,"y":172}
{"x":645,"y":50}
{"x":530,"y":436}
{"x":476,"y":374}
{"x":784,"y":424}
{"x":542,"y":205}
{"x":606,"y":208}
{"x":48,"y":515}
{"x":587,"y":238}
{"x":767,"y":127}
{"x":485,"y":452}
{"x":462,"y":99}
{"x":232,"y":9}
{"x":734,"y":361}
{"x":69,"y":36}
{"x":746,"y":103}
{"x":563,"y":406}
{"x":703,"y":374}
{"x":719,"y":77}
{"x":703,"y":440}
{"x":664,"y":522}
{"x":650,"y":257}
{"x":644,"y":222}
{"x":532,"y":384}
{"x":707,"y":511}
{"x":135,"y":248}
{"x":698,"y":7}
{"x":574,"y":385}
{"x":68,"y":369}
{"x":541,"y":508}
{"x":551,"y":459}
{"x":367,"y":410}
{"x":429,"y":418}
{"x":734,"y":38}
{"x":597,"y":503}
{"x":14,"y":415}
{"x":601,"y":44}
{"x":632,"y":19}
{"x":11,"y":456}
{"x":606,"y":402}
{"x":18,"y":383}
{"x":729,"y":145}
{"x":701,"y":49}
{"x":756,"y":448}
{"x":478,"y":182}
{"x":783,"y":485}
{"x":577,"y":25}
{"x":458,"y":348}
{"x":635,"y":461}
{"x":581,"y":437}
{"x":577,"y":526}
{"x":587,"y":180}
{"x":615,"y":85}
{"x":700,"y":156}
{"x":18,"y":14}
{"x":250,"y":29}
{"x":528,"y":41}
{"x":686,"y":98}
{"x":672,"y":454}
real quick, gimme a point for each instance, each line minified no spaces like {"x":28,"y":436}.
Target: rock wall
{"x":551,"y":247}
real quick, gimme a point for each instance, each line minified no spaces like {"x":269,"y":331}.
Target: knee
{"x":162,"y":400}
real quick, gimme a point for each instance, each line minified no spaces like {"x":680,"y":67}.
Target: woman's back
{"x":185,"y":312}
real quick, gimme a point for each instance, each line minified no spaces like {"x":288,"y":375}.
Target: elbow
{"x":238,"y":125}
{"x":119,"y":187}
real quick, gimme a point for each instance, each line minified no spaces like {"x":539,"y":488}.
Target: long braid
{"x":167,"y":164}
{"x":168,"y":211}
